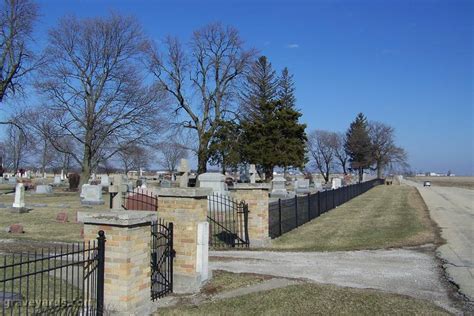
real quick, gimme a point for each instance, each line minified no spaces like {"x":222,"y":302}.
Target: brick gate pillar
{"x":127,"y":284}
{"x":187,"y":209}
{"x":256,"y":196}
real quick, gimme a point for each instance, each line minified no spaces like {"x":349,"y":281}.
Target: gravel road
{"x":453,"y":210}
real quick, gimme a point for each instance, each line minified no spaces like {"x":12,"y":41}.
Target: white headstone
{"x":62,"y":175}
{"x":336,"y":183}
{"x":253,"y":173}
{"x":19,"y":196}
{"x":104,"y":180}
{"x":91,"y":194}
{"x":213,"y":180}
{"x":302,"y":186}
{"x":44,"y":189}
{"x":141,"y":172}
{"x":57,"y":180}
{"x":279,"y":187}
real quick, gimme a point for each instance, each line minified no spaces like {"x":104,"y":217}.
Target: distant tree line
{"x":365,"y":145}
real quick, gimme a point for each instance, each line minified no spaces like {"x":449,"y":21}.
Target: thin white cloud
{"x":292,"y":46}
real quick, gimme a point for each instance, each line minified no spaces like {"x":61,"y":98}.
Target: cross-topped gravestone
{"x":253,"y":173}
{"x":184,"y":170}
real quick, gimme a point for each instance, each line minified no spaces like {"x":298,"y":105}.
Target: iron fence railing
{"x":287,"y":214}
{"x":65,"y":280}
{"x":140,"y":200}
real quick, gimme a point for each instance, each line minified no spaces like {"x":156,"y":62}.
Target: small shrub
{"x":74,"y":180}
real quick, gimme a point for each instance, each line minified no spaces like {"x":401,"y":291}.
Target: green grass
{"x":223,"y":281}
{"x":312,"y":299}
{"x":40,"y":224}
{"x":384,"y":217}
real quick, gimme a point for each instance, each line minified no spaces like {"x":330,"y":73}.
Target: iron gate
{"x":228,"y":221}
{"x":162,"y":254}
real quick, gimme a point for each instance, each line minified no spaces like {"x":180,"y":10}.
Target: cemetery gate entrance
{"x":228,"y":221}
{"x":162,"y":255}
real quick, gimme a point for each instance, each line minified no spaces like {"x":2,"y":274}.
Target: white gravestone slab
{"x":279,"y":187}
{"x":57,"y":180}
{"x":91,"y":195}
{"x":336,"y":183}
{"x":44,"y":189}
{"x":19,"y":196}
{"x":104,"y":180}
{"x":302,"y":186}
{"x":253,"y":173}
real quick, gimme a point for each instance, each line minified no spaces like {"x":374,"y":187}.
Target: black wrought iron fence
{"x":66,"y":280}
{"x":287,"y":214}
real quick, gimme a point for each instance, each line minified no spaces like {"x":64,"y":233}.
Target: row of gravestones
{"x":301,"y":186}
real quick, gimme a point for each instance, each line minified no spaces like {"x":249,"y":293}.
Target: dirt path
{"x":453,"y":210}
{"x":400,"y":271}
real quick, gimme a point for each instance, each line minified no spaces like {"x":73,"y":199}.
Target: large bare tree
{"x":94,"y":90}
{"x":203,"y":79}
{"x":384,"y":151}
{"x":16,"y":57}
{"x":321,"y":146}
{"x":340,"y":152}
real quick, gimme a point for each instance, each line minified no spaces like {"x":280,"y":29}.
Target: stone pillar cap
{"x":117,"y":218}
{"x":184,"y":192}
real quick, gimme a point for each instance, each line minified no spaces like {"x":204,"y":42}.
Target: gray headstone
{"x":336,"y":183}
{"x":104,"y":180}
{"x":57,"y":180}
{"x":214,"y":181}
{"x":91,"y":195}
{"x":165,"y":183}
{"x":302,"y":186}
{"x":12,"y":180}
{"x":279,"y":187}
{"x":44,"y":189}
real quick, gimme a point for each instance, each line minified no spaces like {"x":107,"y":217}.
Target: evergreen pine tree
{"x":358,"y":145}
{"x":260,"y":86}
{"x":286,"y":91}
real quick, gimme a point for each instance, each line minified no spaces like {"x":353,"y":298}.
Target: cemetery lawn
{"x":40,"y":223}
{"x":312,"y":299}
{"x":225,"y":281}
{"x":384,"y":217}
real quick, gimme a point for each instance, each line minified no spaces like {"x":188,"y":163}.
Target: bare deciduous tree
{"x":171,"y":154}
{"x":209,"y":72}
{"x":321,"y":146}
{"x":340,"y":152}
{"x":94,"y":90}
{"x":134,"y":157}
{"x":16,"y":59}
{"x":384,"y":151}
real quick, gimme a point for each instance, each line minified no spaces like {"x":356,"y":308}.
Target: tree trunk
{"x":361,"y":174}
{"x":86,"y":164}
{"x":202,"y":158}
{"x":379,"y":170}
{"x":268,"y":173}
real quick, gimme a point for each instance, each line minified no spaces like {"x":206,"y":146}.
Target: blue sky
{"x":406,"y":63}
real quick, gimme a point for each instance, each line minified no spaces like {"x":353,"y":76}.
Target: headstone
{"x":62,"y":217}
{"x":253,"y":173}
{"x":63,"y":177}
{"x":165,"y":183}
{"x":44,"y":189}
{"x":336,"y":183}
{"x":104,"y":180}
{"x":279,"y":187}
{"x":184,"y":170}
{"x":57,"y":179}
{"x":302,"y":186}
{"x":318,"y":185}
{"x":16,"y":229}
{"x":244,"y":175}
{"x":12,"y":180}
{"x":141,"y":172}
{"x":213,"y":180}
{"x":91,"y":195}
{"x":19,"y":196}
